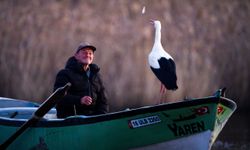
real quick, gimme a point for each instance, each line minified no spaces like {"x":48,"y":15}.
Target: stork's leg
{"x":163,"y":91}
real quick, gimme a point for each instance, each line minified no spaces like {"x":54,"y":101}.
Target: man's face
{"x":85,"y":56}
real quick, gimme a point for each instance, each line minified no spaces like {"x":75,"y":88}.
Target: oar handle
{"x":51,"y":101}
{"x":38,"y":114}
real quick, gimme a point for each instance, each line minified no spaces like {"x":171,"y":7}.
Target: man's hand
{"x":86,"y":100}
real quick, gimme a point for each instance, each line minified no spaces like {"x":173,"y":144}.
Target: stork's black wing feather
{"x":166,"y":73}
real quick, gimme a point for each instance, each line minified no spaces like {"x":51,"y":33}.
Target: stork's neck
{"x":158,"y":35}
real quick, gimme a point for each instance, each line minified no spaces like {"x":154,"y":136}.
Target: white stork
{"x":161,"y":63}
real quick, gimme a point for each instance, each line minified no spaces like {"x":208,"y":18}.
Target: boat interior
{"x":24,"y":113}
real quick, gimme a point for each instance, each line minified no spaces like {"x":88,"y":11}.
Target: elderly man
{"x":87,"y":93}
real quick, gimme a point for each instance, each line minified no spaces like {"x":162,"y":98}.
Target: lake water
{"x":235,"y":135}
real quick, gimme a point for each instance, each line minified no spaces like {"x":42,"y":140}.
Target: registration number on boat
{"x":141,"y":122}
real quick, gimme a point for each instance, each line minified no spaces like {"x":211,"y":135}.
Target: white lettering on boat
{"x":187,"y":129}
{"x":141,"y":122}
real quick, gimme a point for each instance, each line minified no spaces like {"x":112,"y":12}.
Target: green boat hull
{"x":130,"y":129}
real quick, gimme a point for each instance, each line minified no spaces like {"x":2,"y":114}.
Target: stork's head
{"x":156,"y":23}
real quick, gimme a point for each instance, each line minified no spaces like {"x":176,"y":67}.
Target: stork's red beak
{"x":152,"y":21}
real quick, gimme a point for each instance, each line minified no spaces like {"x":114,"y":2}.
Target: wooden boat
{"x":191,"y":124}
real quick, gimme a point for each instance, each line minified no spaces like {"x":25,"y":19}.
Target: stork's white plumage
{"x":161,"y":63}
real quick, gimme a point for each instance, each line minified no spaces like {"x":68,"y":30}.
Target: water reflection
{"x":235,"y":135}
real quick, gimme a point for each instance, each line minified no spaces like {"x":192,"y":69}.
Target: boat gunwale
{"x":81,"y":120}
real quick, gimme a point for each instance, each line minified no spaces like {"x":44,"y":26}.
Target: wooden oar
{"x":38,"y":114}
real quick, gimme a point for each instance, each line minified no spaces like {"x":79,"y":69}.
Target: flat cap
{"x":85,"y":45}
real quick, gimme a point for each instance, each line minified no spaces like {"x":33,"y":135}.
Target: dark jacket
{"x":81,"y":85}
